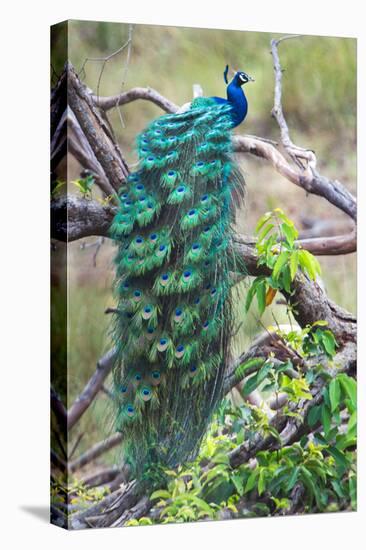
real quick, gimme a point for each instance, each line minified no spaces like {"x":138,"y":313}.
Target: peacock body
{"x":174,"y":262}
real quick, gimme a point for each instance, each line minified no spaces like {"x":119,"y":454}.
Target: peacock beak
{"x":250,"y":79}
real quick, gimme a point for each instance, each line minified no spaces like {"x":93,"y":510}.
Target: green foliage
{"x":56,"y":187}
{"x":75,"y":493}
{"x":85,"y":186}
{"x":278,"y":251}
{"x":321,"y":464}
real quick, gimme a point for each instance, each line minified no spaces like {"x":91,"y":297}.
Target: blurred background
{"x":319,"y":100}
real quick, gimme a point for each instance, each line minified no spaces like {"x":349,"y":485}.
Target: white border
{"x":25,"y":271}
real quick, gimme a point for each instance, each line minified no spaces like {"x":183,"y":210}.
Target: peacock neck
{"x":238,"y":101}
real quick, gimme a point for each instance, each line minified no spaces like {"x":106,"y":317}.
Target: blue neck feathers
{"x":237,"y":101}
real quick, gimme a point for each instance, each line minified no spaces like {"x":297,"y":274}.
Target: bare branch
{"x":95,"y":451}
{"x":311,"y":180}
{"x":91,"y":389}
{"x":59,"y":409}
{"x":97,"y":131}
{"x":86,"y":218}
{"x":75,"y":218}
{"x":333,"y":191}
{"x":148,"y":94}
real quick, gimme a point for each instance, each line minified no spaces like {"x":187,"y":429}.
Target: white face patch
{"x":242,"y":78}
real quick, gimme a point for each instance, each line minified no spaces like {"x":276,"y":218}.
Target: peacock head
{"x":240,"y":77}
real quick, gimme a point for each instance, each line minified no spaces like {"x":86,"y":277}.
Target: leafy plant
{"x":85,"y":186}
{"x":278,"y":250}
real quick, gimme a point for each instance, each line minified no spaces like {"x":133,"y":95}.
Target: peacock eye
{"x":187,"y":274}
{"x":130,"y":410}
{"x":192,"y":212}
{"x":180,"y":189}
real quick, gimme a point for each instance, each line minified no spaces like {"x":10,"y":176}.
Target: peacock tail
{"x":173,"y":285}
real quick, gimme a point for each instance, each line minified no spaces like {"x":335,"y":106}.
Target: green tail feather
{"x":173,"y":284}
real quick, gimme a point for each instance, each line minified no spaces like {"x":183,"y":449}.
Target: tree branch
{"x":95,"y":451}
{"x":86,"y":397}
{"x":74,"y":218}
{"x":310,"y":179}
{"x":148,"y":94}
{"x":97,"y":131}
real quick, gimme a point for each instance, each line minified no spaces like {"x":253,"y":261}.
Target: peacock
{"x":174,"y":276}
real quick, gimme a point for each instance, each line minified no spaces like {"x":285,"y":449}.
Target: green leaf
{"x":339,"y":457}
{"x":290,"y":233}
{"x":160,"y":494}
{"x":334,"y":394}
{"x":262,"y":221}
{"x":252,"y":291}
{"x":352,"y":425}
{"x":314,"y":415}
{"x":349,"y":387}
{"x":329,"y":342}
{"x":352,"y":484}
{"x":280,"y":262}
{"x":261,"y":296}
{"x":326,"y":419}
{"x":251,"y":481}
{"x":251,"y":363}
{"x":294,"y":264}
{"x":238,"y":483}
{"x":309,"y":263}
{"x":265,"y":231}
{"x":261,"y":481}
{"x":286,"y":278}
{"x":253,"y":382}
{"x":293,"y":478}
